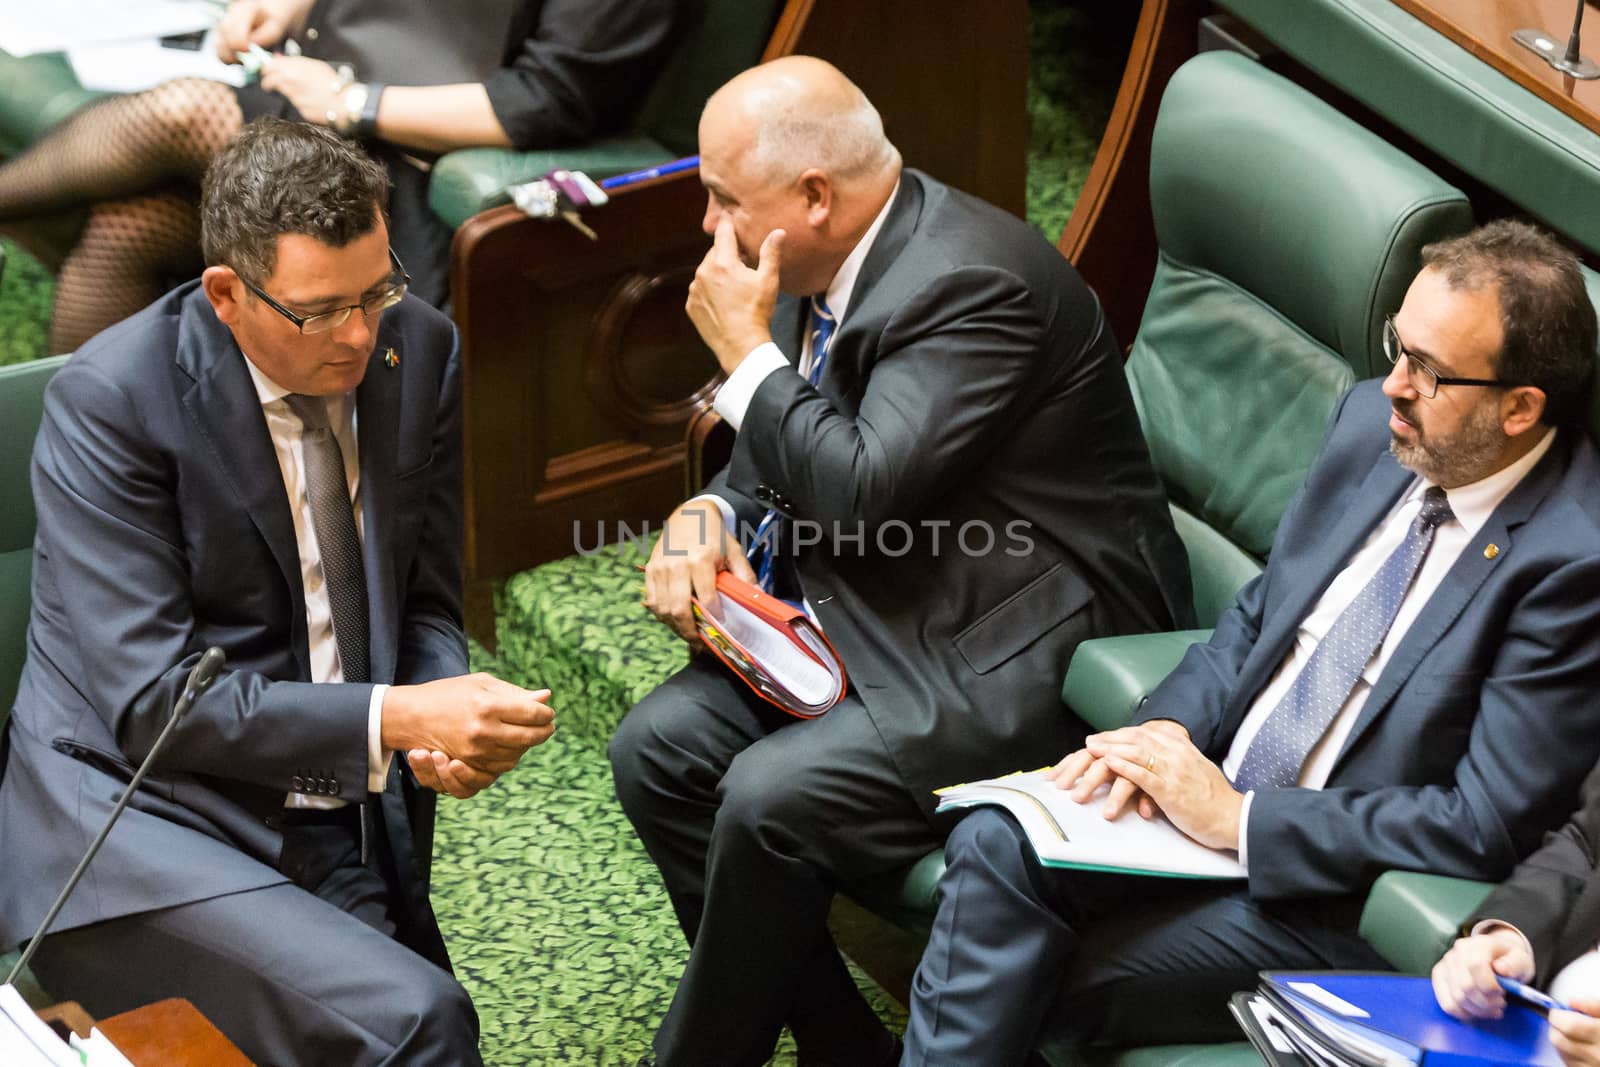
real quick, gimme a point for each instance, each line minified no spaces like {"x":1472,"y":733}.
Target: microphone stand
{"x":1571,"y":62}
{"x":200,"y":680}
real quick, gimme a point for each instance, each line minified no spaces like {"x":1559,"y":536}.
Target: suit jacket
{"x":1476,"y":735}
{"x":1553,"y":896}
{"x":164,"y":528}
{"x":973,"y":463}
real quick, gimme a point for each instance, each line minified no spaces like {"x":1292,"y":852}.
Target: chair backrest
{"x":1286,"y":233}
{"x":728,"y":36}
{"x":21,"y":404}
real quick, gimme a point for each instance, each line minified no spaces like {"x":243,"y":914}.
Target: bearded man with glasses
{"x":1409,"y":684}
{"x":279,"y":476}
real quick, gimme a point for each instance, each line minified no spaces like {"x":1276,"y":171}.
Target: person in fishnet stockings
{"x":137,"y":161}
{"x":109,"y":198}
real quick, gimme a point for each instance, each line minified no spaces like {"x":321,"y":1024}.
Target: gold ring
{"x":1150,"y":764}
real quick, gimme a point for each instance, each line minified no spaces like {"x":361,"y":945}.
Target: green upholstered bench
{"x":36,"y":92}
{"x":21,"y":404}
{"x":1451,"y":102}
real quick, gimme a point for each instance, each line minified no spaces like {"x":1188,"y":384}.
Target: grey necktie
{"x":1278,"y":750}
{"x":337,"y":543}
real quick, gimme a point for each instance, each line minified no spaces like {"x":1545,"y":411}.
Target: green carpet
{"x":26,"y":290}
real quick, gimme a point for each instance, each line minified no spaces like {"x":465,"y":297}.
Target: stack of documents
{"x":26,"y":1040}
{"x":1351,"y":1019}
{"x":1064,"y":833}
{"x":27,"y":29}
{"x":772,"y":646}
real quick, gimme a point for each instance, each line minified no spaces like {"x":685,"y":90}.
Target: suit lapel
{"x":1460,"y":583}
{"x":1309,"y":580}
{"x":227,"y":412}
{"x":378,"y":436}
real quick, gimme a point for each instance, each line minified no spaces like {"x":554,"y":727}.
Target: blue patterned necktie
{"x":1278,"y":751}
{"x":337,"y":544}
{"x":771,"y":528}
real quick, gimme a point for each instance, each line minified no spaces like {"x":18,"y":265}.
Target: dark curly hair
{"x":1549,"y":323}
{"x":282,"y":177}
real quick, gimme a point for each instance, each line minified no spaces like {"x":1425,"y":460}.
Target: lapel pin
{"x":1491,"y":550}
{"x":391,"y":358}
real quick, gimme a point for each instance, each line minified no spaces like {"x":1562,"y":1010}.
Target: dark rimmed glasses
{"x":1424,"y":379}
{"x":324,"y":321}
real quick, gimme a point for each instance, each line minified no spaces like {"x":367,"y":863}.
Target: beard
{"x":1461,"y":458}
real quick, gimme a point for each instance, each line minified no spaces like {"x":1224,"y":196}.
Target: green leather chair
{"x":1286,"y":232}
{"x":21,"y":404}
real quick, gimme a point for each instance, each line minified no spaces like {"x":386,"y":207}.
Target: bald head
{"x":800,"y":112}
{"x":793,"y":145}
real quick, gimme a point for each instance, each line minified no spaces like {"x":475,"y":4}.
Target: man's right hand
{"x":262,"y":22}
{"x":1464,"y":979}
{"x":694,"y":547}
{"x":460,"y":734}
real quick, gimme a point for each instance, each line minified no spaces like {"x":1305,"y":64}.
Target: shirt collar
{"x":844,"y":280}
{"x":1472,"y":504}
{"x":269,"y":391}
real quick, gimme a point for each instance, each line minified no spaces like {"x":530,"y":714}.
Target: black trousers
{"x":1022,"y":954}
{"x":304,"y":972}
{"x":754,"y":818}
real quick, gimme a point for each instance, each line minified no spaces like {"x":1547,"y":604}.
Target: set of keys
{"x":560,"y":194}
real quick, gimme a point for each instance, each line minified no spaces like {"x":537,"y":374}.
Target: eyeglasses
{"x":1424,"y":379}
{"x":324,"y":321}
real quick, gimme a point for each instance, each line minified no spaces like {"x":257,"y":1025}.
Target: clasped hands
{"x":460,"y":734}
{"x":1157,"y":768}
{"x":312,"y":86}
{"x":1465,"y":984}
{"x":730,"y":303}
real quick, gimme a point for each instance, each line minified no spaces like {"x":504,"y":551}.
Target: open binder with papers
{"x":1064,"y":833}
{"x":1359,"y":1019}
{"x":773,"y":646}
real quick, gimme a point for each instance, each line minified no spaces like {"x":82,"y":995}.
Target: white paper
{"x":1312,"y":991}
{"x":130,"y":66}
{"x":808,"y":680}
{"x":59,"y":25}
{"x":99,"y":1051}
{"x":1065,"y":833}
{"x":1271,"y":1024}
{"x":21,"y":1018}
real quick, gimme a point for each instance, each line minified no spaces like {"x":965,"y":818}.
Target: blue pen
{"x":1540,"y":1002}
{"x":634,"y":177}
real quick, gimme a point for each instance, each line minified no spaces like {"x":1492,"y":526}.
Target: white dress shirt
{"x":1472,"y":505}
{"x":285,"y":428}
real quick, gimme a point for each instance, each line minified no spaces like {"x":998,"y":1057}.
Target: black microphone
{"x":1572,"y":61}
{"x":200,"y":680}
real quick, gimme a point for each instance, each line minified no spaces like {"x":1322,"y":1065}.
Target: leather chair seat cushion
{"x":1412,"y":918}
{"x":36,"y":92}
{"x":1216,"y":373}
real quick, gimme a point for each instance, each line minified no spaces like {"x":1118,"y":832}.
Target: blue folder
{"x":1403,"y":1016}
